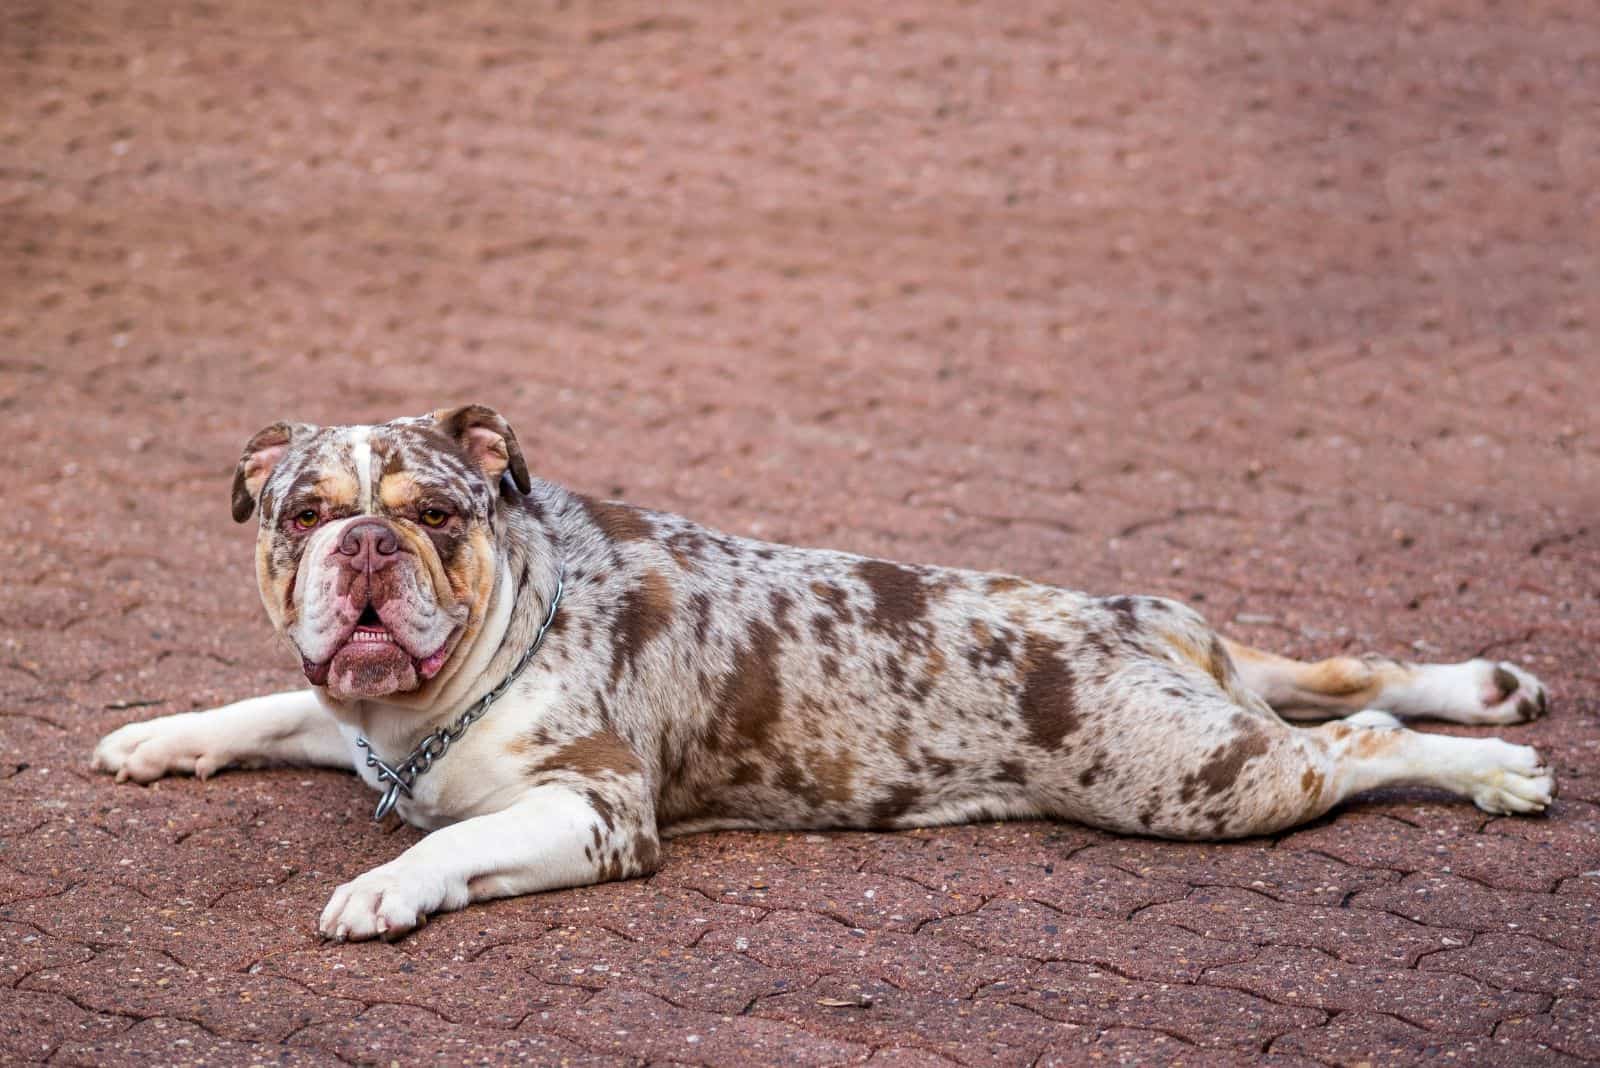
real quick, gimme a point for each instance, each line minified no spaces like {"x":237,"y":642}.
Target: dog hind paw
{"x":1510,"y":694}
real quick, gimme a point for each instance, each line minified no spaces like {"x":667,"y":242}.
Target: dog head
{"x":377,"y":552}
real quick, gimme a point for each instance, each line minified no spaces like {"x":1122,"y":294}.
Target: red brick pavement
{"x":1284,"y":309}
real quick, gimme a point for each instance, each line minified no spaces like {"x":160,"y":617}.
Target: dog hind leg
{"x":1472,"y":692}
{"x":1206,"y":768}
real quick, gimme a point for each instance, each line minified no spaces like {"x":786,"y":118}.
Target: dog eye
{"x":307,"y":519}
{"x":434,"y":517}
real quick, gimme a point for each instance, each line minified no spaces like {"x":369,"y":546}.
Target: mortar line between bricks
{"x":1402,"y":872}
{"x":1310,"y":1057}
{"x":1504,"y":643}
{"x":1475,"y":931}
{"x":1189,"y":1043}
{"x":20,"y":835}
{"x":116,"y":881}
{"x":282,"y":1043}
{"x":1275,"y":943}
{"x":133,"y":1017}
{"x":70,"y":887}
{"x":1548,"y":891}
{"x":1206,"y":979}
{"x":287,"y":1042}
{"x":21,"y":669}
{"x":42,"y":720}
{"x":17,"y":981}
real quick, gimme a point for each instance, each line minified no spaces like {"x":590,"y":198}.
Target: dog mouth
{"x":372,"y":661}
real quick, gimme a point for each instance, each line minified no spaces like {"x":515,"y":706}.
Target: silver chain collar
{"x":402,"y":777}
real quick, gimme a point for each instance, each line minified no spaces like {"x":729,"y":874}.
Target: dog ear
{"x":261,"y":454}
{"x":488,"y":439}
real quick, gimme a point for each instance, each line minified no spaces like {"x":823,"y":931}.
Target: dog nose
{"x":369,"y":545}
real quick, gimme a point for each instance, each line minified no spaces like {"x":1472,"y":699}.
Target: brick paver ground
{"x":1285,"y":309}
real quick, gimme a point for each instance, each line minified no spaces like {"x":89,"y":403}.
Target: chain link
{"x":400,"y":779}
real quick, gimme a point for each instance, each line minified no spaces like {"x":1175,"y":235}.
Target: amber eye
{"x":434,"y":517}
{"x":307,"y":519}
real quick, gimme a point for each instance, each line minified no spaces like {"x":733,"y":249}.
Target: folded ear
{"x":261,"y":454}
{"x":488,"y":439}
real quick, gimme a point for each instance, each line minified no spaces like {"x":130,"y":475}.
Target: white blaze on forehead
{"x":361,"y":456}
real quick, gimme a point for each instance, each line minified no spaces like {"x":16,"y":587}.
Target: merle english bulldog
{"x":550,"y":683}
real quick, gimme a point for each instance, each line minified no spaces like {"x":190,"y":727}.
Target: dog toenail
{"x":1505,"y":682}
{"x":1526,"y":708}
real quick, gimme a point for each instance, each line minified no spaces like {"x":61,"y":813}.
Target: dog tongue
{"x":430,"y":667}
{"x":316,"y":674}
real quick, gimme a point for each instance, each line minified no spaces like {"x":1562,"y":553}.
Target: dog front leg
{"x":555,"y":836}
{"x":280,"y":728}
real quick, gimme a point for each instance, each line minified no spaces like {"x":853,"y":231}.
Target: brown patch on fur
{"x":750,"y":701}
{"x":1003,"y":583}
{"x":646,"y":853}
{"x":836,"y":597}
{"x":899,"y":599}
{"x":619,"y":522}
{"x":338,"y":489}
{"x":1218,"y":663}
{"x":1152,"y":806}
{"x":992,"y":648}
{"x":644,"y":613}
{"x":1092,"y":773}
{"x":1372,"y":742}
{"x":941,"y":767}
{"x":1048,"y":701}
{"x":398,"y":491}
{"x":895,"y":804}
{"x":1126,"y":610}
{"x":1012,"y":771}
{"x":834,"y":773}
{"x":686,"y":548}
{"x":792,"y":780}
{"x":602,"y":807}
{"x":781,"y":605}
{"x":700,"y":606}
{"x":1221,"y":769}
{"x":603,"y":752}
{"x":896,"y":671}
{"x":1311,"y":782}
{"x":1339,"y":676}
{"x":931,"y":670}
{"x":899,"y":739}
{"x":1213,"y":659}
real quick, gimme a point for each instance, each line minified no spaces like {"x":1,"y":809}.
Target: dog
{"x":551,"y":683}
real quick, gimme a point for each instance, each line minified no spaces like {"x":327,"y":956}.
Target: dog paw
{"x":146,"y":751}
{"x":1475,"y":692}
{"x":383,"y":903}
{"x":1511,"y":779}
{"x":1508,"y":694}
